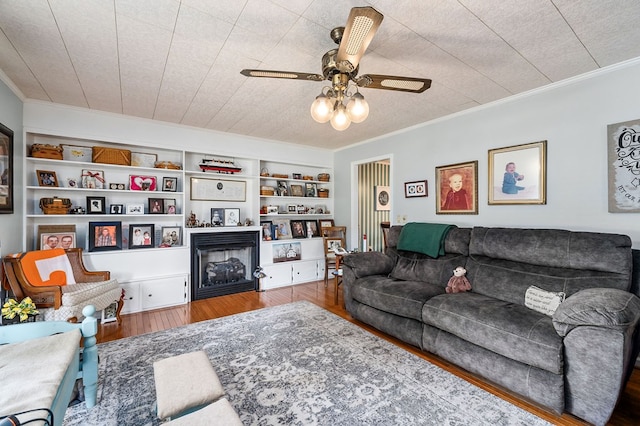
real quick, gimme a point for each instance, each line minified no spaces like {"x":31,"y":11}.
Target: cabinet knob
{"x":151,"y":295}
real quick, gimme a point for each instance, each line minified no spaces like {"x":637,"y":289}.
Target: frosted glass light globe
{"x":358,"y":108}
{"x":340,"y":120}
{"x":321,"y":109}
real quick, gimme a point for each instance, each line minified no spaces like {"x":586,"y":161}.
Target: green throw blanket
{"x":427,"y":238}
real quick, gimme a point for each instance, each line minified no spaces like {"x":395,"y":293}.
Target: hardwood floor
{"x":627,"y":412}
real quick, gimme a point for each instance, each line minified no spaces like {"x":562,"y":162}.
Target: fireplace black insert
{"x":223,"y":263}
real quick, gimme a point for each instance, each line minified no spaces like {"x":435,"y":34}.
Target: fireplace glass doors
{"x":223,"y":263}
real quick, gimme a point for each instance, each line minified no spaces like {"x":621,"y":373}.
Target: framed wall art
{"x":169,"y":184}
{"x":116,"y":209}
{"x":298,"y":229}
{"x":142,"y":183}
{"x":156,"y":206}
{"x":105,"y":236}
{"x":231,"y":217}
{"x":141,"y":236}
{"x":417,"y":188}
{"x":383,"y":198}
{"x":47,"y":178}
{"x":56,"y":236}
{"x":135,"y":208}
{"x":96,"y":205}
{"x":217,"y":217}
{"x":171,"y":236}
{"x":205,"y":189}
{"x":517,"y":174}
{"x":267,"y":234}
{"x":623,"y":146}
{"x":286,"y":252}
{"x":457,"y":188}
{"x":325,"y":223}
{"x":282,"y":229}
{"x":92,"y":179}
{"x":6,"y":170}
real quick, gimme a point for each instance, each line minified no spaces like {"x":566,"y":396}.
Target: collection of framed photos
{"x":285,"y":229}
{"x":98,"y":205}
{"x":95,"y":179}
{"x":309,"y":189}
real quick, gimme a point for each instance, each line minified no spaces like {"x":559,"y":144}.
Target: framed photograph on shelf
{"x":170,"y":206}
{"x":310,"y":189}
{"x":206,"y":189}
{"x":105,"y":236}
{"x":517,"y":174}
{"x":457,"y":188}
{"x":135,"y":208}
{"x":6,"y":170}
{"x":298,"y":229}
{"x":296,"y":190}
{"x":383,"y":198}
{"x":96,"y":205}
{"x":171,"y":236}
{"x":325,"y":223}
{"x":92,"y":179}
{"x":156,"y":206}
{"x":116,"y":209}
{"x":283,"y":229}
{"x":141,"y":236}
{"x":286,"y":252}
{"x":292,"y":208}
{"x":282,"y":189}
{"x":47,"y":178}
{"x":231,"y":217}
{"x":217,"y":217}
{"x":56,"y":236}
{"x":169,"y":184}
{"x":110,"y":313}
{"x":415,"y":189}
{"x":142,"y":183}
{"x":266,"y":226}
{"x":312,"y":228}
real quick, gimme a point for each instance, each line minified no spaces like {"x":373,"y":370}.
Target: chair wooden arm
{"x":80,"y":273}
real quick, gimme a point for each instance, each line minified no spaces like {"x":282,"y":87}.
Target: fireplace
{"x":223,"y":262}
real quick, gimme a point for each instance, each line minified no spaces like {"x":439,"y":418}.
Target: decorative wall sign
{"x":218,"y":190}
{"x":383,"y":198}
{"x":623,"y":140}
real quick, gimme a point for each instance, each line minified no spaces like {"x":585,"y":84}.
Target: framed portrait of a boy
{"x":457,"y":188}
{"x":517,"y":174}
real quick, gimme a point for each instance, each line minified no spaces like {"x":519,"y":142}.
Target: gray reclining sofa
{"x":576,"y":360}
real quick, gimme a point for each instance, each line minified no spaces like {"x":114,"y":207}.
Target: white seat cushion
{"x":183,"y":382}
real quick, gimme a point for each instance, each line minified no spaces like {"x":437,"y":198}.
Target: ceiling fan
{"x":340,"y":67}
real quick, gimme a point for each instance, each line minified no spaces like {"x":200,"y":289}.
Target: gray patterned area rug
{"x":295,"y":364}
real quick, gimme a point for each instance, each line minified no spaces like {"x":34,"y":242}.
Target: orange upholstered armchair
{"x":59,"y":284}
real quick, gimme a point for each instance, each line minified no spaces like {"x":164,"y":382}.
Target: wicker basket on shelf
{"x":324,"y":177}
{"x":55,"y":205}
{"x":280,"y":175}
{"x":267,"y":190}
{"x":323,"y":193}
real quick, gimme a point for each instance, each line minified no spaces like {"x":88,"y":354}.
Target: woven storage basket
{"x":167,"y":165}
{"x":52,"y":152}
{"x":55,"y":205}
{"x":323,"y":193}
{"x":280,"y":175}
{"x":104,"y":155}
{"x":323,"y":177}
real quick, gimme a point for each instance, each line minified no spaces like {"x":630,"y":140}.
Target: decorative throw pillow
{"x":47,"y":267}
{"x":545,"y":302}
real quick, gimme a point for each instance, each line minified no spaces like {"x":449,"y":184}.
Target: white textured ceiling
{"x":180,"y":61}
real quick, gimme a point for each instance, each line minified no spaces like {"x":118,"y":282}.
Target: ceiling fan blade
{"x":393,"y":82}
{"x":291,"y":75}
{"x":361,"y":26}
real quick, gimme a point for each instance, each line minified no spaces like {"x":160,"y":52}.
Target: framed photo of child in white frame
{"x":517,"y":174}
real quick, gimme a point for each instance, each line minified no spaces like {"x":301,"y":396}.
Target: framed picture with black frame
{"x":171,"y":236}
{"x":141,"y":236}
{"x":267,"y":230}
{"x":96,"y":205}
{"x":6,"y":170}
{"x":156,"y":206}
{"x":298,"y":229}
{"x":105,"y":236}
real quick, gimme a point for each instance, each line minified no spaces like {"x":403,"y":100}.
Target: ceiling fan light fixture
{"x":322,"y":109}
{"x":357,"y":108}
{"x":340,"y":120}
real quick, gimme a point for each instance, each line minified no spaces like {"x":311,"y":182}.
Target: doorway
{"x":373,"y":202}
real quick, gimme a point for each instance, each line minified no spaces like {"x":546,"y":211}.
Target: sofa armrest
{"x":598,"y":307}
{"x":368,"y":263}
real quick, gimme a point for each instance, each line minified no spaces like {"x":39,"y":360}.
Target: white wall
{"x":572,"y":116}
{"x":47,"y":118}
{"x":11,"y":224}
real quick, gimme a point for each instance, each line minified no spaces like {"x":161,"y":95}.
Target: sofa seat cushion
{"x":402,"y":298}
{"x":412,"y":266}
{"x":508,"y":329}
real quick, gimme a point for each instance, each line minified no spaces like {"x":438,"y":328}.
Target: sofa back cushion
{"x":410,"y":266}
{"x":505,"y":262}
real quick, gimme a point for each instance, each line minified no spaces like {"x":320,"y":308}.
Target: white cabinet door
{"x":277,"y":275}
{"x":305,"y":271}
{"x":161,"y":292}
{"x":131,"y":298}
